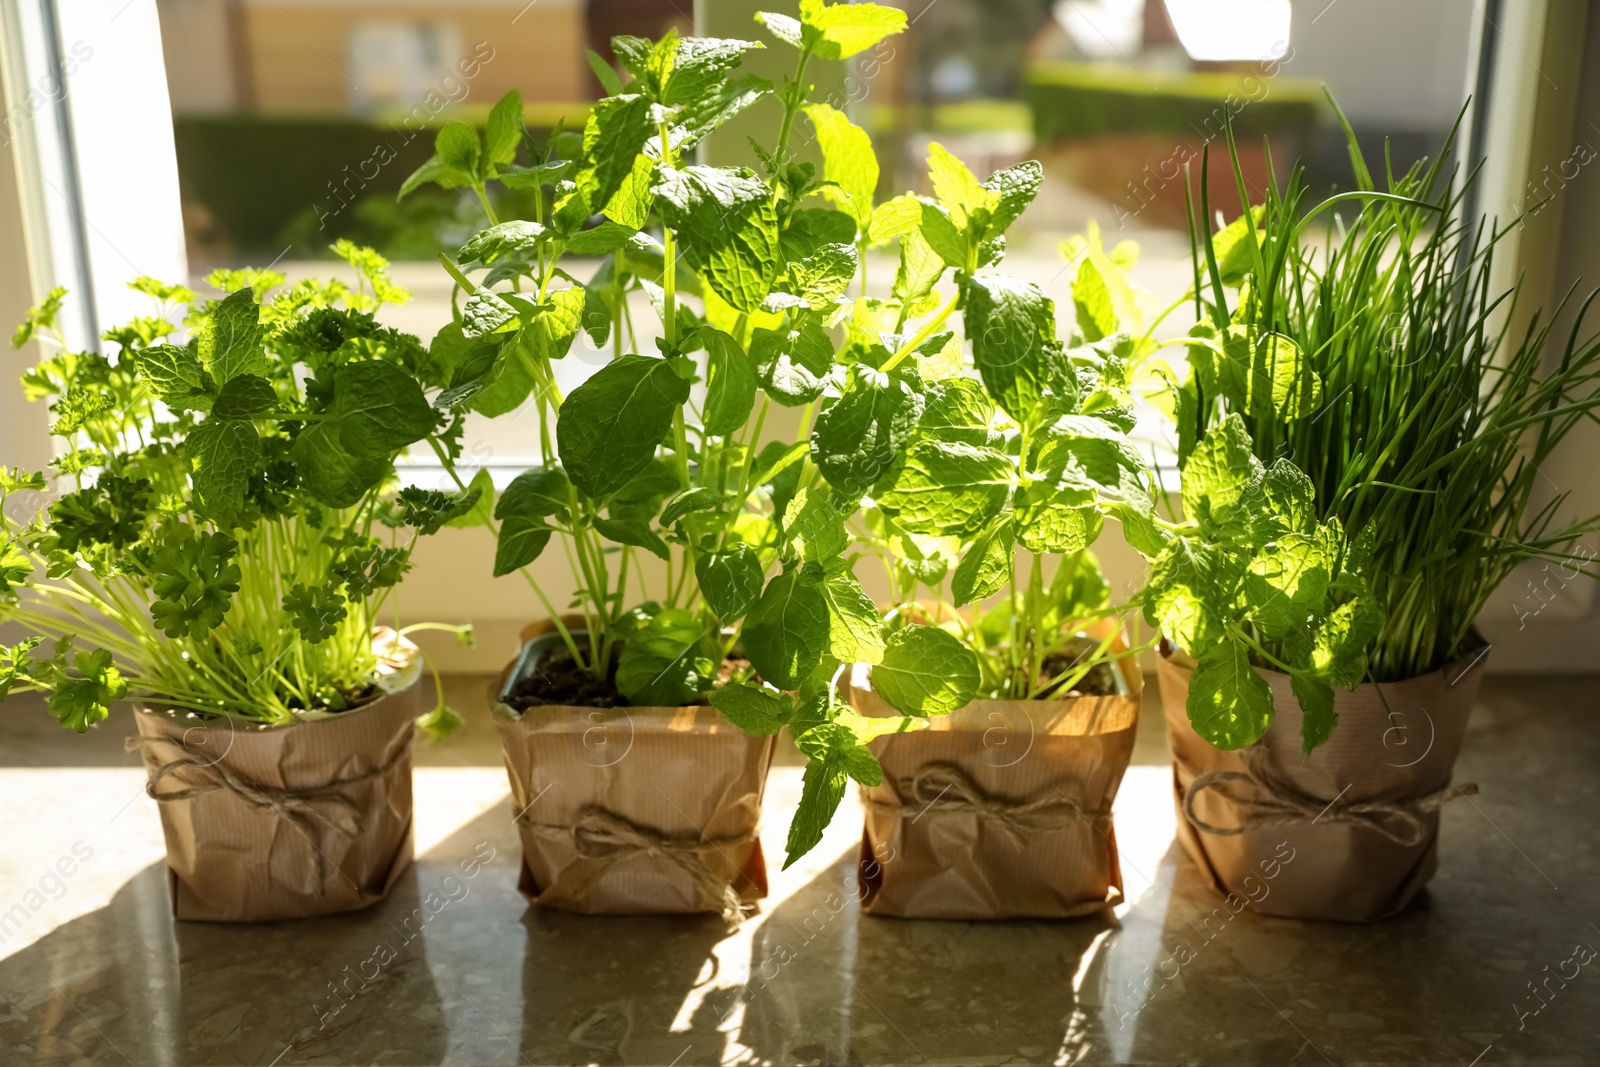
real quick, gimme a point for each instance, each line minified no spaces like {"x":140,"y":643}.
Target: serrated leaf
{"x":1012,"y":325}
{"x":786,"y":632}
{"x":1220,"y":471}
{"x":858,"y":436}
{"x":855,"y":630}
{"x":174,"y":374}
{"x":822,"y":788}
{"x":727,"y":221}
{"x":751,"y":708}
{"x":839,"y":31}
{"x":813,"y":521}
{"x":947,"y":489}
{"x":848,"y":161}
{"x":223,"y":454}
{"x":959,"y":191}
{"x":230,"y":340}
{"x":926,"y":671}
{"x":986,"y":565}
{"x":957,"y":410}
{"x":731,"y":384}
{"x":380,"y":408}
{"x":1229,"y":704}
{"x":517,"y":240}
{"x":1286,"y":585}
{"x":608,"y":427}
{"x":1317,"y":715}
{"x":730,"y":581}
{"x":334,"y":475}
{"x":458,"y":147}
{"x":792,"y":365}
{"x":246,"y":396}
{"x":632,"y":532}
{"x":504,"y":131}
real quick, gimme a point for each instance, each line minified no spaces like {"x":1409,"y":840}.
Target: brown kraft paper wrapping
{"x":1349,"y":833}
{"x":633,"y":810}
{"x":283,"y":822}
{"x":1001,"y":809}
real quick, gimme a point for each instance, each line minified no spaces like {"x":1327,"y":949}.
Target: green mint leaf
{"x":630,"y":205}
{"x":524,"y":509}
{"x":811,"y":228}
{"x":1316,"y":705}
{"x":839,"y":31}
{"x":958,"y":189}
{"x":1291,"y":501}
{"x":613,"y":137}
{"x":942,"y":236}
{"x":1094,"y":446}
{"x":817,"y":525}
{"x":380,"y":408}
{"x":1091,"y":302}
{"x":668,"y":662}
{"x":784,"y":27}
{"x":1012,"y":325}
{"x":1014,"y":189}
{"x":1190,"y":590}
{"x":1296,"y":388}
{"x":517,"y":241}
{"x":859,"y":436}
{"x":1220,"y":472}
{"x":632,"y":532}
{"x":731,"y":384}
{"x":947,"y":489}
{"x":486,"y":313}
{"x":230,"y":338}
{"x":1286,"y":585}
{"x":855,"y":629}
{"x":247,"y":396}
{"x":553,"y":324}
{"x":504,"y":132}
{"x":174,"y":374}
{"x":223,"y":456}
{"x":1229,"y":704}
{"x":458,"y":147}
{"x":600,"y":240}
{"x":823,"y":276}
{"x":786,"y":632}
{"x":730,"y":581}
{"x":331,"y":473}
{"x":608,"y":427}
{"x":847,"y":160}
{"x":754,"y":710}
{"x":986,"y":566}
{"x":315,"y":613}
{"x":1339,"y":652}
{"x":700,"y":66}
{"x":793,"y":365}
{"x":926,"y":671}
{"x":822,"y":788}
{"x":727,"y":221}
{"x":605,"y":72}
{"x":958,"y":411}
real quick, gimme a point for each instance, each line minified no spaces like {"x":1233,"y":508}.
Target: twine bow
{"x":946,"y":789}
{"x":1277,"y":803}
{"x":606,"y":837}
{"x":329,"y":804}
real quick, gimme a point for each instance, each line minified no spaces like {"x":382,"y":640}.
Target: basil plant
{"x":226,"y":531}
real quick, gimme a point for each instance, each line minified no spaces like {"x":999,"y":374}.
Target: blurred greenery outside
{"x":272,"y":182}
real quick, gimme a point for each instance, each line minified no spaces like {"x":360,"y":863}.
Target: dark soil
{"x":557,"y":679}
{"x":1101,"y":681}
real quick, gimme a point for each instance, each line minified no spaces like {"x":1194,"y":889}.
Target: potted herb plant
{"x":638,"y":732}
{"x":223,"y":549}
{"x":1382,"y":364}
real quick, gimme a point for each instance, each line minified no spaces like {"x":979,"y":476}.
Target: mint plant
{"x":227,"y":532}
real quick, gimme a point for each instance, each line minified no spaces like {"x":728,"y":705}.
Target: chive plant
{"x":227,"y":534}
{"x":1430,"y":416}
